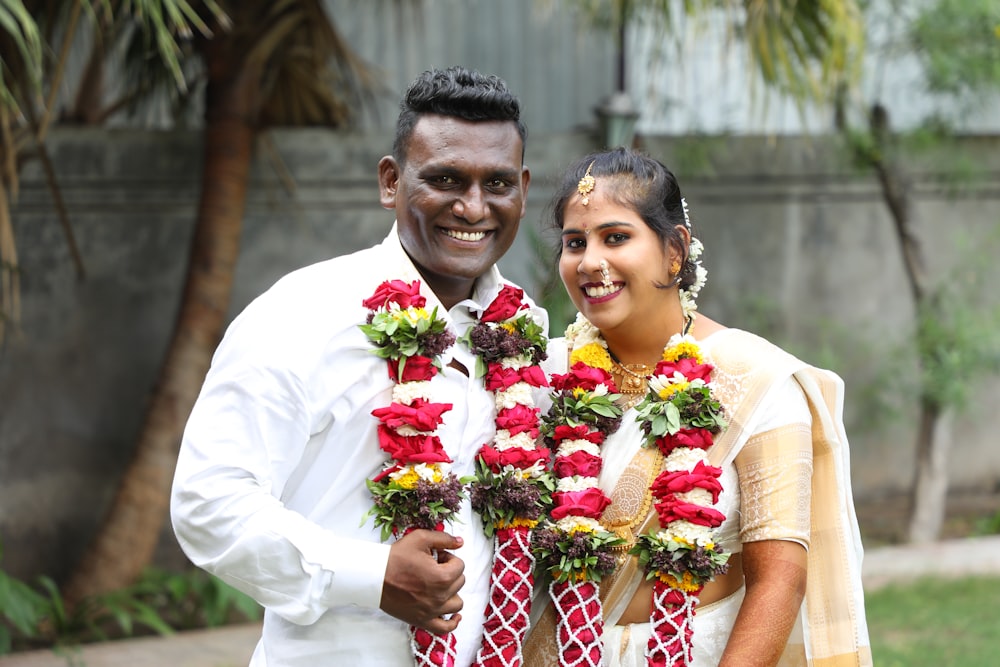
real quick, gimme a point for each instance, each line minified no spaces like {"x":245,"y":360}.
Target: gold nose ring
{"x":605,"y":274}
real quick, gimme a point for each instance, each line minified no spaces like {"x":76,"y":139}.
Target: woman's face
{"x":637,"y":261}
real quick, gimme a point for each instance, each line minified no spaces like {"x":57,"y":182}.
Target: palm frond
{"x":805,"y":48}
{"x":161,"y":27}
{"x":312,"y":76}
{"x":20,"y":51}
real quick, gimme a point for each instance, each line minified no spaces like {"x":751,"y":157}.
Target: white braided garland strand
{"x":508,"y":609}
{"x":580,"y":625}
{"x":432,"y":650}
{"x":670,"y":642}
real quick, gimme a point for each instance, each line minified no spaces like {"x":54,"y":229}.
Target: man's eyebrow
{"x":505,"y":173}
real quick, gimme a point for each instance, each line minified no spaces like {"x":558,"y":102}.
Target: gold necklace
{"x":632,"y":378}
{"x":631,"y":383}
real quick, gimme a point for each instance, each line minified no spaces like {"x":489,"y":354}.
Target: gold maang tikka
{"x":586,"y":185}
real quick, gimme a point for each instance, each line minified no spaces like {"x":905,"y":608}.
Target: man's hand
{"x":422,"y":581}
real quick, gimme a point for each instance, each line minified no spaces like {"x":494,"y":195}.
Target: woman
{"x":792,"y":592}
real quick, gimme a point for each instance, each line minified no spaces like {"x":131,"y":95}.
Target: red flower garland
{"x":416,"y":488}
{"x":512,"y":484}
{"x":680,"y":416}
{"x":573,"y":546}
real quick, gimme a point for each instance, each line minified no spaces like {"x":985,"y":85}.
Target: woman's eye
{"x":617,"y":237}
{"x":573,"y":244}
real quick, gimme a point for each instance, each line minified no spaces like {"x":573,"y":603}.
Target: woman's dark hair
{"x":640,"y":183}
{"x":460,"y":93}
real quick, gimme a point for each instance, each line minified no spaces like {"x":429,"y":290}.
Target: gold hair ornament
{"x":586,"y":185}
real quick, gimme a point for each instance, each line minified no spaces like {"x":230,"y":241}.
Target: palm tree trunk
{"x":127,"y":538}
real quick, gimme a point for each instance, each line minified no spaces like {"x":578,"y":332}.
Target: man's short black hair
{"x":458,"y":92}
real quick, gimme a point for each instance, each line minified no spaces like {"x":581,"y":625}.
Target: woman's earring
{"x":675,"y":268}
{"x":605,"y":274}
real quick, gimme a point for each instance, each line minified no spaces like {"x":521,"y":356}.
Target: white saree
{"x":769,"y":434}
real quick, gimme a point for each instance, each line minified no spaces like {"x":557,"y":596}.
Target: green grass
{"x":936,"y":622}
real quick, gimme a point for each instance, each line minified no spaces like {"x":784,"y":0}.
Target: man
{"x":269,"y":492}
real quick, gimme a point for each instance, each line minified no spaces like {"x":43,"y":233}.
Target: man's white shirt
{"x":269,"y":491}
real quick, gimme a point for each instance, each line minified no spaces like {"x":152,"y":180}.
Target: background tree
{"x":37,"y":38}
{"x":20,"y":74}
{"x":278,"y":63}
{"x":806,"y":49}
{"x":957,"y":46}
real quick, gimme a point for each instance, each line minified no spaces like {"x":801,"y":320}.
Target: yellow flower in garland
{"x":685,"y":349}
{"x":408,"y":476}
{"x":517,"y":522}
{"x":592,"y":354}
{"x":669,"y":390}
{"x":686,"y":584}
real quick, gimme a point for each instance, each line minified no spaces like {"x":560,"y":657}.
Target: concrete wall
{"x":797,"y":248}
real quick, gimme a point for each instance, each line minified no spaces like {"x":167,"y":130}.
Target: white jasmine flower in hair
{"x":695,"y":248}
{"x":688,"y":304}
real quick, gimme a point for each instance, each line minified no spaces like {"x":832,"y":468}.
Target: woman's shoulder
{"x":739,"y":352}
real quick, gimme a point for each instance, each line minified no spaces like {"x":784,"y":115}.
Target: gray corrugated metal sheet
{"x":556,"y":64}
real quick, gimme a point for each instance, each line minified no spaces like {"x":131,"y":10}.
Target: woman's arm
{"x":775,"y":573}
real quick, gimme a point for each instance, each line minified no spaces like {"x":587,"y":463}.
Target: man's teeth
{"x":466,"y":236}
{"x":596,"y":292}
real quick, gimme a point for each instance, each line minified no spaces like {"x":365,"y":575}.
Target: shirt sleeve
{"x":775,"y":471}
{"x":245,"y":437}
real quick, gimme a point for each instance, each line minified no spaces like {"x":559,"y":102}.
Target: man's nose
{"x":471,"y":205}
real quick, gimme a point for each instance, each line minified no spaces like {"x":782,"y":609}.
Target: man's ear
{"x":388,"y":181}
{"x":525,"y":182}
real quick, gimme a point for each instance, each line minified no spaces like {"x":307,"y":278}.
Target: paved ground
{"x":232,"y":646}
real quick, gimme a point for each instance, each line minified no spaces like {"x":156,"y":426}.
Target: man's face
{"x":459,"y":199}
